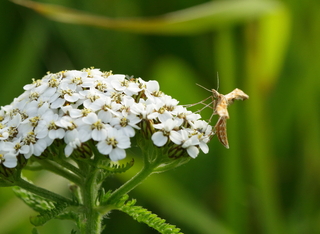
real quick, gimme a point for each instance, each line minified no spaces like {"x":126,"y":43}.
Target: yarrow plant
{"x":79,"y":124}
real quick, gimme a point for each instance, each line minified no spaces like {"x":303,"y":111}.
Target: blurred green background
{"x":269,"y":179}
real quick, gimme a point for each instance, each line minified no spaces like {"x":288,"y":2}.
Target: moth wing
{"x":236,"y":94}
{"x":221,"y":131}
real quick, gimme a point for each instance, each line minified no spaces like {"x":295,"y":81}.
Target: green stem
{"x":59,"y":170}
{"x":42,"y":192}
{"x":70,"y":167}
{"x":146,"y":171}
{"x":91,"y":217}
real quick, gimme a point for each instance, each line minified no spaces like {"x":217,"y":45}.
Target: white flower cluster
{"x":78,"y":106}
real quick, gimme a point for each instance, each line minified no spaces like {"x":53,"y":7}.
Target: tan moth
{"x":220,"y":105}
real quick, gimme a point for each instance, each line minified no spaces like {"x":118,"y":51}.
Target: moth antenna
{"x":218,"y":83}
{"x":203,"y":87}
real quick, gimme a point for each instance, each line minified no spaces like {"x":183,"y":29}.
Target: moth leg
{"x":197,"y":103}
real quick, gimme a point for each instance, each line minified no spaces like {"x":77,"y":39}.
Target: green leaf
{"x":46,"y":208}
{"x":145,"y":216}
{"x":35,"y":202}
{"x":117,"y":168}
{"x":45,"y":216}
{"x":193,"y":20}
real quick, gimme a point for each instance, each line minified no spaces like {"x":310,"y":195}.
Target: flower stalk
{"x":44,"y":193}
{"x":144,"y":173}
{"x":91,"y":218}
{"x":60,"y":170}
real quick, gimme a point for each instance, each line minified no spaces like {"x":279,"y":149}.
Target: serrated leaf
{"x":35,"y":202}
{"x":145,"y":216}
{"x":45,"y":216}
{"x":117,"y":168}
{"x":47,"y":209}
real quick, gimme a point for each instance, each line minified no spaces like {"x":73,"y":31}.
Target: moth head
{"x":215,"y":94}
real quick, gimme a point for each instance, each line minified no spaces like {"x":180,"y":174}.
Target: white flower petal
{"x":68,"y":150}
{"x":39,"y":147}
{"x":117,"y":154}
{"x":90,"y":118}
{"x":124,"y":143}
{"x":57,"y":103}
{"x":176,"y":137}
{"x":104,"y":148}
{"x":159,"y":139}
{"x":84,"y":135}
{"x":204,"y":147}
{"x":10,"y":160}
{"x":164,"y":117}
{"x":99,"y":135}
{"x":56,"y":134}
{"x":193,"y":151}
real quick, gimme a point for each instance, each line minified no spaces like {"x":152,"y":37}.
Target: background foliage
{"x":268,"y":182}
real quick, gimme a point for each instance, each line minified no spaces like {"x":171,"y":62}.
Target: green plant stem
{"x":91,"y":217}
{"x":59,"y":170}
{"x":70,"y":167}
{"x":42,"y":192}
{"x":146,"y":171}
